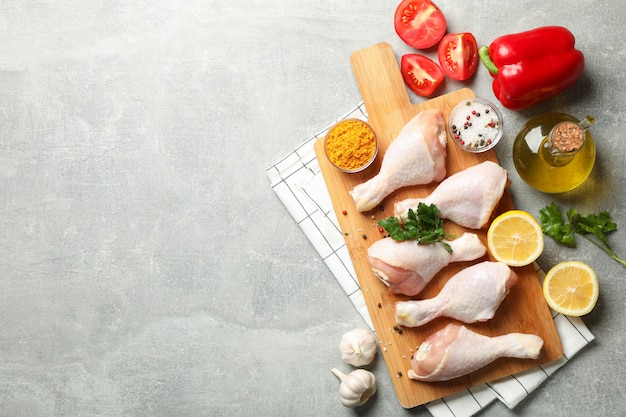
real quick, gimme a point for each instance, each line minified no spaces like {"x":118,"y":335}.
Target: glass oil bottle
{"x":555,"y":152}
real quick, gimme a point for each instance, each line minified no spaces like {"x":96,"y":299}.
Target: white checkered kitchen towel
{"x":298,"y":182}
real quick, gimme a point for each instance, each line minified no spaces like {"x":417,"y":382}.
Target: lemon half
{"x":515,"y":238}
{"x":571,"y":288}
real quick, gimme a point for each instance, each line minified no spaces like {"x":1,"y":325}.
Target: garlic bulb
{"x":358,"y":347}
{"x":356,"y":387}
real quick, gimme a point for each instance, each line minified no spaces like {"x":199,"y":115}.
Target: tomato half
{"x":458,"y":55}
{"x":419,"y":23}
{"x":421,"y":74}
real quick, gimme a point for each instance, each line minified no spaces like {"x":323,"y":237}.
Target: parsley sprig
{"x":424,"y":225}
{"x":593,"y":227}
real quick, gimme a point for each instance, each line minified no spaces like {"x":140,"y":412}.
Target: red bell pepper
{"x":533,"y":66}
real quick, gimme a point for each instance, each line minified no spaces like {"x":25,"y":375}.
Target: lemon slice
{"x":571,"y":288}
{"x":515,"y":238}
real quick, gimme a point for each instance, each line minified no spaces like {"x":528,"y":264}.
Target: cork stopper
{"x":568,"y":137}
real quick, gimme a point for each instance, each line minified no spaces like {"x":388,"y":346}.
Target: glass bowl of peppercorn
{"x":475,"y":125}
{"x":351,"y":145}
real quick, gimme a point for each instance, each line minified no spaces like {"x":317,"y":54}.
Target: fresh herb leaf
{"x":598,"y":225}
{"x":424,"y":225}
{"x":393,"y":227}
{"x":592,"y":227}
{"x":553,"y":225}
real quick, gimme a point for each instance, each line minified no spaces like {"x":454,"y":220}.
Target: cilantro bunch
{"x":424,"y":225}
{"x":592,"y":227}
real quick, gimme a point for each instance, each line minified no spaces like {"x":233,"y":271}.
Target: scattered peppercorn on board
{"x":524,"y":310}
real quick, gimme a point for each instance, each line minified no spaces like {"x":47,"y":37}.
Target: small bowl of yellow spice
{"x":351,"y":145}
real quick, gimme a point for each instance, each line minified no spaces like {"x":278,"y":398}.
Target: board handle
{"x":382,"y":88}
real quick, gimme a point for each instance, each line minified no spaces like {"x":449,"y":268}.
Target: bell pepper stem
{"x":483,"y":53}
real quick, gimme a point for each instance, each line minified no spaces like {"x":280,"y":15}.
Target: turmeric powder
{"x":350,"y":144}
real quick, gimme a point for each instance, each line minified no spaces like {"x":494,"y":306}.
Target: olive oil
{"x":544,"y":167}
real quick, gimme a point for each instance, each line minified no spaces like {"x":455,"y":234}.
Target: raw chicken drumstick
{"x":467,"y":197}
{"x":417,"y":156}
{"x":455,"y":351}
{"x":474,"y":294}
{"x":406,"y":267}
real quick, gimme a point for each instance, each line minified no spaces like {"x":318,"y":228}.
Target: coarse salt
{"x":475,"y":125}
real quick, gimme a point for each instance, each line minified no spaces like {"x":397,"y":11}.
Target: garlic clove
{"x":358,"y":347}
{"x":356,"y":387}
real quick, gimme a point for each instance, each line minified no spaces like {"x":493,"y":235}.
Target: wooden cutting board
{"x":524,"y":310}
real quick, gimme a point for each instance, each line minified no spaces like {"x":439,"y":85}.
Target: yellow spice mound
{"x":350,"y":144}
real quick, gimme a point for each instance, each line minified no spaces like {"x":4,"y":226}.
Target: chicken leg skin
{"x":467,"y":198}
{"x":455,"y":351}
{"x":473,"y":294}
{"x":407,"y":267}
{"x":417,"y":156}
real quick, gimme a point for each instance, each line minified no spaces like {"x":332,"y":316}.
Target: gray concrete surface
{"x":146,"y":266}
